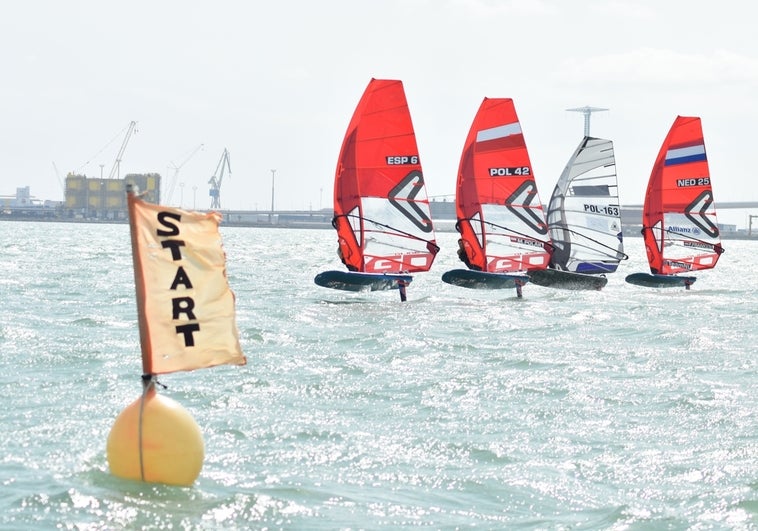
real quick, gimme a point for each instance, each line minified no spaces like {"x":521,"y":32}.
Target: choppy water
{"x":629,"y":408}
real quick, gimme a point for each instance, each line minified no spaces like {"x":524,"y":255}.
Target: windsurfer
{"x":342,"y":259}
{"x":463,"y":256}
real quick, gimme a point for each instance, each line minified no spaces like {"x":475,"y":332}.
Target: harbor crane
{"x":60,"y":182}
{"x":172,"y":185}
{"x":217,"y":178}
{"x":116,"y":170}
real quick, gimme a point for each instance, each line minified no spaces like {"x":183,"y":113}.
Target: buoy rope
{"x":148,"y":382}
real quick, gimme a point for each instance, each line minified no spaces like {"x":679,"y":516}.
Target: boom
{"x":115,"y":171}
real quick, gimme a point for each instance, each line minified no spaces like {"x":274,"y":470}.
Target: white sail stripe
{"x":500,"y":131}
{"x":685,"y":152}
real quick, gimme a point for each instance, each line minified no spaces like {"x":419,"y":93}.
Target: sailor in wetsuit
{"x":653,"y":270}
{"x":342,"y":259}
{"x":463,"y":256}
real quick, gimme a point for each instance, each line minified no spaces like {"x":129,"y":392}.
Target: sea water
{"x":626,"y":408}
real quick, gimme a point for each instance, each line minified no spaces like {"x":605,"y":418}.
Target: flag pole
{"x":139,"y":284}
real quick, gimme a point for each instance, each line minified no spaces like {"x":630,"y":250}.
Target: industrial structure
{"x":587,"y":112}
{"x":217,"y":178}
{"x":116,"y":170}
{"x":750,"y":224}
{"x":174,"y":178}
{"x":105,"y":199}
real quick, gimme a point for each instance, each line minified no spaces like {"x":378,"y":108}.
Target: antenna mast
{"x":587,"y":111}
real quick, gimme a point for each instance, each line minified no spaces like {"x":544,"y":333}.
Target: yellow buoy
{"x":156,"y":440}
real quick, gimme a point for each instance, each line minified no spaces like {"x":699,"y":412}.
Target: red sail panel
{"x":381,"y":209}
{"x":499,"y":211}
{"x":679,"y":218}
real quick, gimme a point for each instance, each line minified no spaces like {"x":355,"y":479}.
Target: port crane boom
{"x":170,"y":190}
{"x":116,"y":170}
{"x":217,"y":178}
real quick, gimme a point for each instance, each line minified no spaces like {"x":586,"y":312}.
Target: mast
{"x":587,"y":111}
{"x":139,"y":283}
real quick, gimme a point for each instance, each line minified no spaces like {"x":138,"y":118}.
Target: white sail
{"x":584,"y":217}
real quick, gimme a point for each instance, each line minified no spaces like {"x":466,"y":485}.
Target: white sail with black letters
{"x":584,"y":216}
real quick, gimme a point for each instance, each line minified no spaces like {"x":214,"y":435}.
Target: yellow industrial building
{"x":106,"y":198}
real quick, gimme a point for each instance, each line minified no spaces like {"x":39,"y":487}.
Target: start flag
{"x":185,"y":306}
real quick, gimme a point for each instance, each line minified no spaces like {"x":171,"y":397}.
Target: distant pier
{"x":443,"y":214}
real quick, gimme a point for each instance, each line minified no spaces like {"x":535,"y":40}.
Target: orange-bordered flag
{"x":185,"y":307}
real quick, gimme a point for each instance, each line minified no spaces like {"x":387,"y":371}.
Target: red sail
{"x":499,"y":211}
{"x":381,"y":209}
{"x":679,"y":218}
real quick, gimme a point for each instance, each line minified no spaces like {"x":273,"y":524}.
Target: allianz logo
{"x":674,"y":228}
{"x":683,"y":230}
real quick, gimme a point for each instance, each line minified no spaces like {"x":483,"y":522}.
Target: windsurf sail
{"x":679,"y":217}
{"x":381,"y":209}
{"x":584,"y":216}
{"x":500,"y":216}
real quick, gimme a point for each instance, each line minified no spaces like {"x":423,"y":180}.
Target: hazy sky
{"x":277,"y":82}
